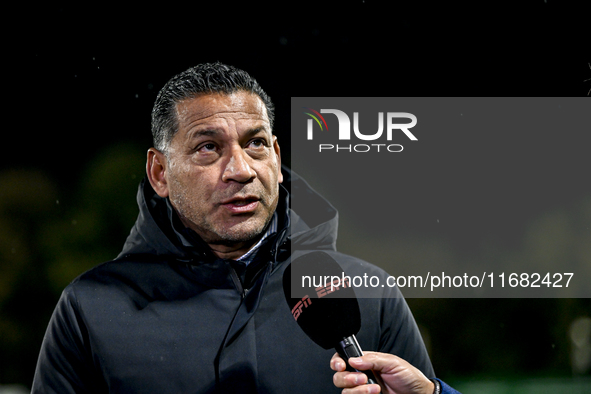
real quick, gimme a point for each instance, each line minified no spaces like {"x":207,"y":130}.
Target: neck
{"x":231,"y":252}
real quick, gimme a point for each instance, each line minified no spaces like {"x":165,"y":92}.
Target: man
{"x":194,"y":303}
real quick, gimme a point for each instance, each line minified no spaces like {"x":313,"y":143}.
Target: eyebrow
{"x":212,"y":132}
{"x":255,"y":131}
{"x":204,"y":132}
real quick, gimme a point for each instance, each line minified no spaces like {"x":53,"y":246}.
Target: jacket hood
{"x":159,"y":232}
{"x":314,"y":221}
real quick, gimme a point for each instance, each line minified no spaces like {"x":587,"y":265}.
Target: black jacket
{"x":167,"y":316}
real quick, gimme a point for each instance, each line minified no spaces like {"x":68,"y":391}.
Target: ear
{"x":278,"y":154}
{"x":156,"y":170}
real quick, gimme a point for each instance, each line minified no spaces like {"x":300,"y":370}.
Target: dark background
{"x":79,"y":83}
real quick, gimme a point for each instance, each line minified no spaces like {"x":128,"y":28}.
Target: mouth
{"x":241,"y":204}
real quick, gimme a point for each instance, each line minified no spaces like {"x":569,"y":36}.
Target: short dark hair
{"x":204,"y":78}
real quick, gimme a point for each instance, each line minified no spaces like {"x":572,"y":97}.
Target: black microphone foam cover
{"x":321,"y":299}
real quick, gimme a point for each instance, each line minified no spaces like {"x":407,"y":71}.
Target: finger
{"x":345,"y":380}
{"x":337,"y":363}
{"x":364,"y":389}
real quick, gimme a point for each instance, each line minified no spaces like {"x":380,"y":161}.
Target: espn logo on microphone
{"x":321,"y":291}
{"x":335,"y":285}
{"x":297,"y":309}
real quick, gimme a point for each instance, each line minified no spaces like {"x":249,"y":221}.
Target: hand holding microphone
{"x":395,"y":375}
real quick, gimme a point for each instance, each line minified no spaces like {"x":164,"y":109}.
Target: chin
{"x":243,"y":232}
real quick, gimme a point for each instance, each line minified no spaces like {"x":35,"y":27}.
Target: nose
{"x":237,"y":168}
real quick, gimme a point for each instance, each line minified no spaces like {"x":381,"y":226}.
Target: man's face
{"x":223,"y":167}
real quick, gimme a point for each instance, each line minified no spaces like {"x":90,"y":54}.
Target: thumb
{"x":395,"y":374}
{"x":379,"y":362}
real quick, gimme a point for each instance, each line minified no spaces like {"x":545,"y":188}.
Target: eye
{"x":258,"y":143}
{"x":208,"y":147}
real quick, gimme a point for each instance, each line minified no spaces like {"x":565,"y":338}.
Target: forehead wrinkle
{"x":213,"y":112}
{"x":199,"y":120}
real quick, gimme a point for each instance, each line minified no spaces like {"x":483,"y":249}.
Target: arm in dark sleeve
{"x":445,"y":388}
{"x":65,"y":363}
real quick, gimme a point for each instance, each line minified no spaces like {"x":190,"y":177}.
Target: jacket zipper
{"x":237,"y":282}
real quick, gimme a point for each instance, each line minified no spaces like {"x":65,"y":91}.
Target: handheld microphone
{"x":324,"y":305}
